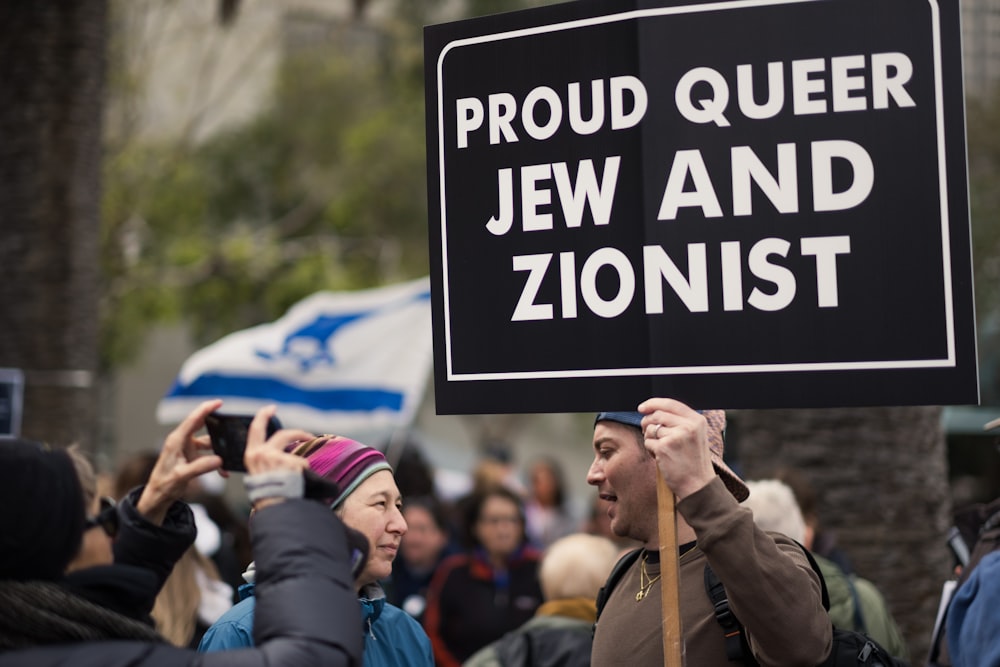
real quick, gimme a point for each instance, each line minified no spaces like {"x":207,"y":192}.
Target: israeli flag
{"x":336,"y":362}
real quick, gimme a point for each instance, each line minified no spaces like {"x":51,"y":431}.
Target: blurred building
{"x":981,"y":45}
{"x":186,"y":69}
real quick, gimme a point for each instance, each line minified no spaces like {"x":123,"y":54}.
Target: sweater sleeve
{"x":771,"y":587}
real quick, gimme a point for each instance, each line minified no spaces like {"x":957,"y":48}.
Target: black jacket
{"x":470,"y":605}
{"x":545,"y":647}
{"x":144,"y":553}
{"x":304,"y":586}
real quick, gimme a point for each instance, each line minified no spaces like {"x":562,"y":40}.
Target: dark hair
{"x":496,"y":450}
{"x":474,"y":510}
{"x":414,"y":475}
{"x":804,"y":493}
{"x":134,"y":471}
{"x":433,"y":506}
{"x":558,"y":479}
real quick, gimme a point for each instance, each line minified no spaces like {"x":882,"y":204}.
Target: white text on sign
{"x":691,"y":289}
{"x":542,"y":197}
{"x":857,"y":82}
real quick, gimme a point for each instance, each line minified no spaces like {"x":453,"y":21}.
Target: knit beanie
{"x":41,"y":511}
{"x":345,"y":462}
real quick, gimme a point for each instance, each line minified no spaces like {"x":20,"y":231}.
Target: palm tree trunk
{"x":881,"y":480}
{"x":52,"y":62}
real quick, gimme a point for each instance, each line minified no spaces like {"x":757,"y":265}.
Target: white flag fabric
{"x":336,"y":362}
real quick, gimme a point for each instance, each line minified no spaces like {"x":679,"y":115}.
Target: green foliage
{"x":323,"y":190}
{"x":984,"y":191}
{"x":983,"y":118}
{"x":483,"y":7}
{"x":326,"y":189}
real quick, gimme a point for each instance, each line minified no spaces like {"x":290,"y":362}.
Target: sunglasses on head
{"x":106,"y":519}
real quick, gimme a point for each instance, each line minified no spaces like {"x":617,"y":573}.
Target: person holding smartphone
{"x":49,"y":617}
{"x":368,"y":501}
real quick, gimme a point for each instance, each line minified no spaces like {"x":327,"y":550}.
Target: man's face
{"x":374,"y":509}
{"x":625,"y":477}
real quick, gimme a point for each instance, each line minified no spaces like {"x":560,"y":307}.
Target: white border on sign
{"x":946,"y":362}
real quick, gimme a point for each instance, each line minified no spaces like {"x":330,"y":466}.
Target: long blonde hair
{"x":85,"y":471}
{"x":176,"y":608}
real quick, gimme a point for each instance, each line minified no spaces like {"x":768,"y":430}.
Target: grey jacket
{"x":304,"y":580}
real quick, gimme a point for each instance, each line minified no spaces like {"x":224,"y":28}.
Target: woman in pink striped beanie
{"x":345,"y":462}
{"x":368,"y":501}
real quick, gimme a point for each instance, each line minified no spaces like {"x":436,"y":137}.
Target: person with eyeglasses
{"x":77,"y":582}
{"x":96,"y":548}
{"x":476,"y":597}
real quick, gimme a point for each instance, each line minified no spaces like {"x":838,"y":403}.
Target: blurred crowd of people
{"x":503,"y":575}
{"x":496,"y":533}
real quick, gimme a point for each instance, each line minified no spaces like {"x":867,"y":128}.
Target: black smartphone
{"x":229,"y":437}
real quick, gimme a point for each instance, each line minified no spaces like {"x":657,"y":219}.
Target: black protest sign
{"x":738,"y":204}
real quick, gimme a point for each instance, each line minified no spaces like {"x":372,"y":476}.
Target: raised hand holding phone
{"x":266,"y":455}
{"x":228,"y":435}
{"x":181,"y":460}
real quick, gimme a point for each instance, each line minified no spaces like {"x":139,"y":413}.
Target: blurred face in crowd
{"x":95,"y":549}
{"x":499,"y":527}
{"x":424,"y":540}
{"x":544,"y":485}
{"x":374,"y":508}
{"x":625,"y":477}
{"x":600,"y":522}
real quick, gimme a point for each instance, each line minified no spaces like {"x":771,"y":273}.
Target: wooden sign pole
{"x":669,"y":576}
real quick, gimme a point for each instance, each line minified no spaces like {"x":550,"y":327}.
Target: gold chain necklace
{"x":645,"y":583}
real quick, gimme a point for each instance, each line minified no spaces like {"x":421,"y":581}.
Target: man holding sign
{"x":770,"y":585}
{"x":763,"y":203}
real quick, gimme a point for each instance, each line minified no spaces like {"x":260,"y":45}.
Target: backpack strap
{"x":859,"y":616}
{"x":824,"y":593}
{"x":624,"y":563}
{"x":731,"y":628}
{"x":737,"y":647}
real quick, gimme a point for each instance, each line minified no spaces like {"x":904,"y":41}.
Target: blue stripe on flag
{"x":345,"y":399}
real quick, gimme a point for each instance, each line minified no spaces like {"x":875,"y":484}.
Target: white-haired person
{"x":855,"y":603}
{"x":572,"y":571}
{"x":77,"y":588}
